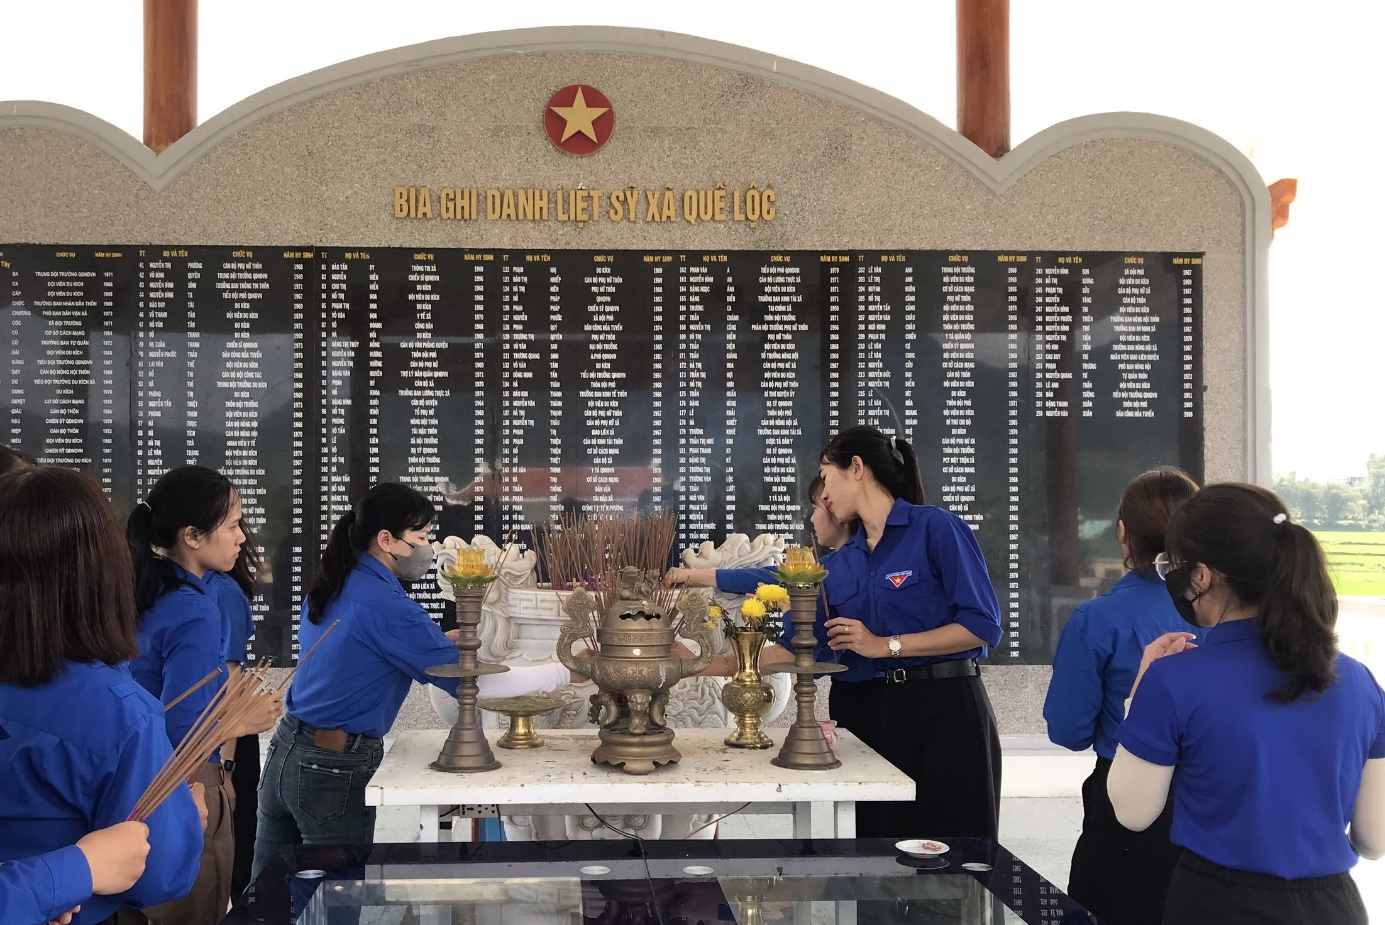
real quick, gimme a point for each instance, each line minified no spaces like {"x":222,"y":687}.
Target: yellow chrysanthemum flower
{"x":715,"y":612}
{"x":772,"y":594}
{"x":752,"y":609}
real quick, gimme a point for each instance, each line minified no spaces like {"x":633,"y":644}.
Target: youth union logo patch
{"x":898,"y":578}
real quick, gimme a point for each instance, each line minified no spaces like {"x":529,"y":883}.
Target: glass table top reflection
{"x":760,"y":882}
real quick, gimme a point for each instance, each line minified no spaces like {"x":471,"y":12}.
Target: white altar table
{"x":560,"y":779}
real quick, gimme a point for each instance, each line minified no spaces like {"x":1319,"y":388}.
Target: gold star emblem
{"x":579,"y":117}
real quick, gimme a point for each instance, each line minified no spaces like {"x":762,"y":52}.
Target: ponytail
{"x":338,"y":559}
{"x":1243,"y":533}
{"x":1298,"y":618}
{"x":388,"y":506}
{"x":194,"y":497}
{"x":153,"y":573}
{"x":910,"y":482}
{"x":891,"y":460}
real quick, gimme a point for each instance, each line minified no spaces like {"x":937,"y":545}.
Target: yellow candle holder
{"x":471,"y":570}
{"x":800,"y":568}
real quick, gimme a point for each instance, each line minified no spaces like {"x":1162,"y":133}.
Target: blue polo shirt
{"x":180,"y":643}
{"x":926,"y":571}
{"x":358,"y":679}
{"x":237,"y":622}
{"x":75,"y":756}
{"x":1098,"y":657}
{"x":743,"y":580}
{"x":1258,"y":785}
{"x":41,"y":889}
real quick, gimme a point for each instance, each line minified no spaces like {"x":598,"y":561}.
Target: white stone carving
{"x":739,"y":551}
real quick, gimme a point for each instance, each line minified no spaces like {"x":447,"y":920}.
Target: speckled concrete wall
{"x":847,"y":175}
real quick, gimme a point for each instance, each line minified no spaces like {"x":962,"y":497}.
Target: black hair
{"x":67,"y":594}
{"x":815,"y":489}
{"x":1276,"y":567}
{"x":1146,"y":506}
{"x":188,"y":496}
{"x":891,"y":460}
{"x":388,"y":506}
{"x":11,"y":459}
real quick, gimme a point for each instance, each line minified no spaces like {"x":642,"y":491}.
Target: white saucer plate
{"x":921,"y":847}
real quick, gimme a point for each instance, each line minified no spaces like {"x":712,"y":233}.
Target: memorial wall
{"x":390,"y":270}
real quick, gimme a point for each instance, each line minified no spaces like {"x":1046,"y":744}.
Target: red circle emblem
{"x":579,"y":119}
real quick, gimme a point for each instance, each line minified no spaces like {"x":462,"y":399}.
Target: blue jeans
{"x":312,"y":796}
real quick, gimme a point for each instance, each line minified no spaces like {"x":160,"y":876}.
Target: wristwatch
{"x":895,"y":646}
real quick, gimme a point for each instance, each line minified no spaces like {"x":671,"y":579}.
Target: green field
{"x":1357,"y":561}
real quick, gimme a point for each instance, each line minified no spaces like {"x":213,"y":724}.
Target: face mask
{"x":416,"y":564}
{"x":1177,"y":583}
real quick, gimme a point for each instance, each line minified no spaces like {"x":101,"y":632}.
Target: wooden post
{"x":170,"y":71}
{"x":983,"y":74}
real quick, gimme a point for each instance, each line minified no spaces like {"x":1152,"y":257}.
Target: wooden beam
{"x":170,"y":71}
{"x":983,"y":74}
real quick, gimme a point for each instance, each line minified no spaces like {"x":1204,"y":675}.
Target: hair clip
{"x":1280,"y":518}
{"x":895,"y":451}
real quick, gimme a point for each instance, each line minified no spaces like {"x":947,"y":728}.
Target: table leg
{"x":813,"y":820}
{"x":434,"y":915}
{"x":428,"y":823}
{"x":844,"y":812}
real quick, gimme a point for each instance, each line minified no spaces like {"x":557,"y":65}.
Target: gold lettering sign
{"x":719,"y":204}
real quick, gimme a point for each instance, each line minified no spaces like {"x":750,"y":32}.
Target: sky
{"x":1298,"y":87}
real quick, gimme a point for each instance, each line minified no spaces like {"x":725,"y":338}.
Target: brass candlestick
{"x":466,"y":748}
{"x":805,"y":746}
{"x":521,"y":711}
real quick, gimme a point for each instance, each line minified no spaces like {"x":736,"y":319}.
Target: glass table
{"x":631,"y":882}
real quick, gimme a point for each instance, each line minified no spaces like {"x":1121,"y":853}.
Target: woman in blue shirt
{"x":346,"y":697}
{"x":1273,"y":741}
{"x":1119,"y":875}
{"x":828,"y":534}
{"x":79,"y":740}
{"x":911,"y":594}
{"x":52,"y":887}
{"x":187,"y":530}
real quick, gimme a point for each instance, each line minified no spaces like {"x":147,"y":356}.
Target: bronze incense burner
{"x":634,"y":667}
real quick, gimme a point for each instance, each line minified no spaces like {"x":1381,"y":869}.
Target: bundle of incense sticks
{"x":235,"y":702}
{"x":589,"y":550}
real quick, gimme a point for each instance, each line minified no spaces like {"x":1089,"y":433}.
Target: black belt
{"x":332,"y":740}
{"x":935,"y":671}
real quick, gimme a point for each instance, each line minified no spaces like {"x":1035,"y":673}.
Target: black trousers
{"x":246,"y":781}
{"x":942,"y":734}
{"x":1204,"y":892}
{"x":1118,"y":875}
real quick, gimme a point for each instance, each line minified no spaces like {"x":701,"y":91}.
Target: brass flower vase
{"x":746,"y":696}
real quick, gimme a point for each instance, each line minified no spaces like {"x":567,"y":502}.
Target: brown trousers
{"x":207,"y":902}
